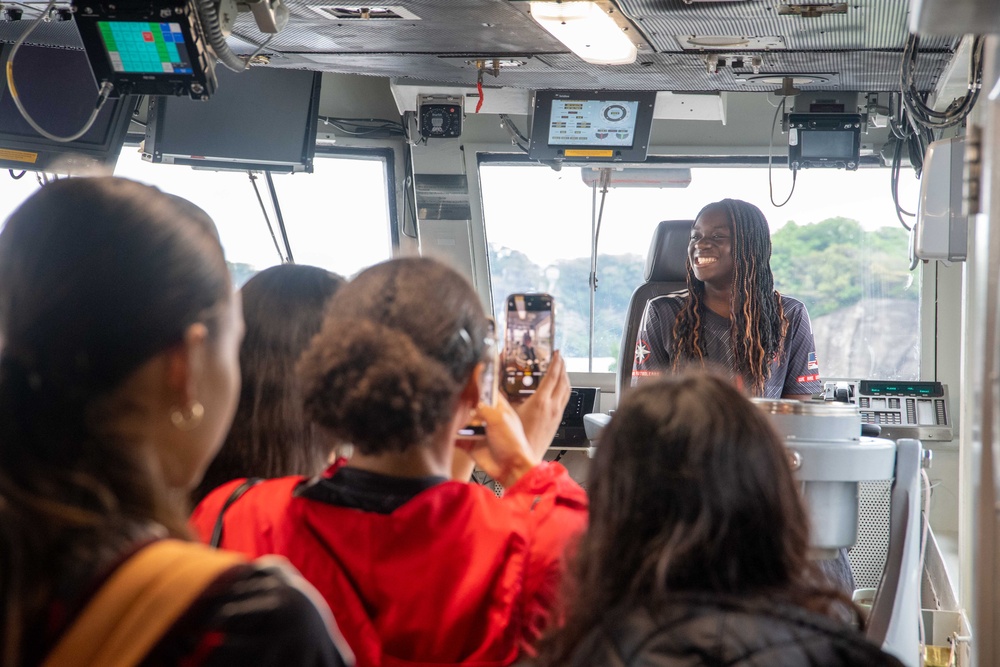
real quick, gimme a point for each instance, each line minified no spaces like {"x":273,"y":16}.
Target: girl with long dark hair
{"x":283,"y":308}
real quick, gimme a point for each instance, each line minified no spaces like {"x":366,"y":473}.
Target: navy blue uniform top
{"x":795,"y":372}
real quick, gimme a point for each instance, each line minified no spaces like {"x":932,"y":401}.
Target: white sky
{"x":336,"y":217}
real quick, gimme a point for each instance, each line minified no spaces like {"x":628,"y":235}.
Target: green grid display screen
{"x":157,"y":48}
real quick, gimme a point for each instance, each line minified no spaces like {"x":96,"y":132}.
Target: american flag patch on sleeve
{"x":811,"y":363}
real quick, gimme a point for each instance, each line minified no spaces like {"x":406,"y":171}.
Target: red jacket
{"x":453,"y":576}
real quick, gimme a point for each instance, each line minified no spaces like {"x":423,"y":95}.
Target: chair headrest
{"x":667,"y":258}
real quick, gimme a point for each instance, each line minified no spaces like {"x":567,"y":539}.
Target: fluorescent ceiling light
{"x":586,"y":30}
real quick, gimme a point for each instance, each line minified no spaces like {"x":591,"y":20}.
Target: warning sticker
{"x":18,"y":156}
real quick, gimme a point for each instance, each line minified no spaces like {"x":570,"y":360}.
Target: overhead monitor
{"x":261,"y":119}
{"x":591,"y":125}
{"x":152,"y":48}
{"x":57,"y":89}
{"x":824,"y":140}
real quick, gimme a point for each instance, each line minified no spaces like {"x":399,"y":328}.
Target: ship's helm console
{"x":831,"y":458}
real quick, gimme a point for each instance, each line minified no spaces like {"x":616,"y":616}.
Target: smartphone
{"x":528,"y":342}
{"x":488,"y":383}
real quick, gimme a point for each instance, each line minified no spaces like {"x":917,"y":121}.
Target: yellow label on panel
{"x":18,"y":156}
{"x":574,"y":152}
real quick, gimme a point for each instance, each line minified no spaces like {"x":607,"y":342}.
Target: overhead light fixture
{"x":587,"y":30}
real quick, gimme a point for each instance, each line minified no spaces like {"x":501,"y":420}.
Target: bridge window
{"x":838,"y":247}
{"x":337,"y":217}
{"x":15,"y":187}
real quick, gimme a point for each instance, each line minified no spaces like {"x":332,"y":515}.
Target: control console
{"x":902,"y":409}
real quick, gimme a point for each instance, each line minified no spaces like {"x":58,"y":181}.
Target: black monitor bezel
{"x":199,"y":84}
{"x":804,"y":123}
{"x":540,"y":149}
{"x":153,"y":151}
{"x":68,"y":157}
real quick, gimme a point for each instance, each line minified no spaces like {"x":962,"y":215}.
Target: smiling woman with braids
{"x":730,"y":315}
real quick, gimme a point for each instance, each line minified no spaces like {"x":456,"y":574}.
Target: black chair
{"x":666,"y":271}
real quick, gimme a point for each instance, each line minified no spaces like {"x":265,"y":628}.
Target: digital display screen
{"x":214,"y":132}
{"x":592,"y":123}
{"x":888,"y":388}
{"x":140,"y":47}
{"x":831,"y":144}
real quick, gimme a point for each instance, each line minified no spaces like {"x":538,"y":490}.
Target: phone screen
{"x":488,"y":384}
{"x":528,"y":342}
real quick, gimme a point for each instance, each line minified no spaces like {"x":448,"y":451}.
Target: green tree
{"x":834,"y":263}
{"x":568,"y":282}
{"x":510,"y":272}
{"x":617,"y":277}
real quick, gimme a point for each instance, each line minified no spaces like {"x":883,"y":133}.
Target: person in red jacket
{"x":419,"y":565}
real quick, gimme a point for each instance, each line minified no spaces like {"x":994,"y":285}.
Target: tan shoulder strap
{"x":141,"y":600}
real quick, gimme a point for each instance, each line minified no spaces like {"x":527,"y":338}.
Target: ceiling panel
{"x":867,"y":24}
{"x":859,"y":50}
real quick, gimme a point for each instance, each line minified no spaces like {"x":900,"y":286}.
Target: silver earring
{"x":188,"y":418}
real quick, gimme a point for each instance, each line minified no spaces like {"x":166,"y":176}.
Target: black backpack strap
{"x":237,"y":493}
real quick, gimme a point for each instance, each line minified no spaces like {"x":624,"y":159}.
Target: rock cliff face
{"x":873,"y":339}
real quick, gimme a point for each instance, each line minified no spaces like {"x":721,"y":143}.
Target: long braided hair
{"x":758,"y":322}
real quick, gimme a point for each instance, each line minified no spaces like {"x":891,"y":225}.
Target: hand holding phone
{"x":505,"y":453}
{"x":542,"y":413}
{"x":488,"y":381}
{"x":528,"y":343}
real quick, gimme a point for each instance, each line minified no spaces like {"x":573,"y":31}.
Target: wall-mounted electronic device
{"x":942,"y":229}
{"x":824,"y":130}
{"x":591,"y":125}
{"x":902,"y":409}
{"x":824,"y":140}
{"x":151,"y":48}
{"x":261,"y":119}
{"x":57,"y":88}
{"x":439,"y":117}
